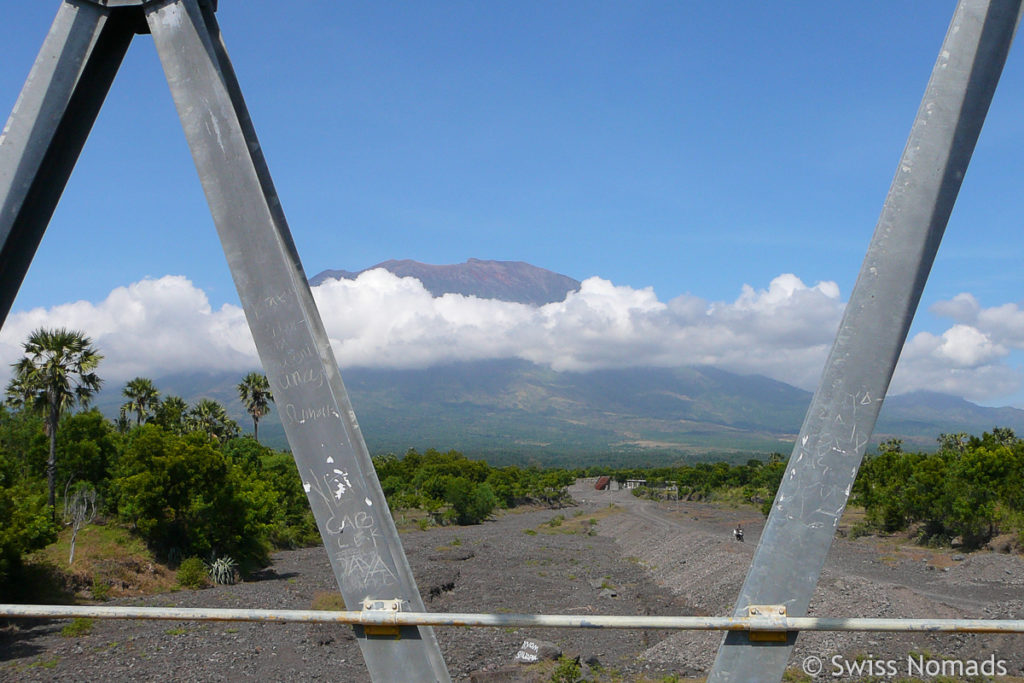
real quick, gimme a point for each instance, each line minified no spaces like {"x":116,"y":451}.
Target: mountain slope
{"x":914,"y":415}
{"x":514,"y":411}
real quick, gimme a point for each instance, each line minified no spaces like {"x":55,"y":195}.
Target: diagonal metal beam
{"x":841,"y":418}
{"x":49,"y":125}
{"x":328,"y":447}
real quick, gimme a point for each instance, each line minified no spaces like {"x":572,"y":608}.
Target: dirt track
{"x":659,"y":558}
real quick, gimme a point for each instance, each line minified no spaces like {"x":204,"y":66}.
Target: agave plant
{"x":222,"y":570}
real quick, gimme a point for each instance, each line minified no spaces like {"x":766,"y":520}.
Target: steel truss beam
{"x":841,"y":418}
{"x":38,"y":150}
{"x":48,"y":127}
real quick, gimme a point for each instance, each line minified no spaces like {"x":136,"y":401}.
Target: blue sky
{"x":693,"y":148}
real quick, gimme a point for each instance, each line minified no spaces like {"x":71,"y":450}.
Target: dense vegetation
{"x":185,"y":494}
{"x":178,"y":476}
{"x":968,"y":491}
{"x":181,"y":478}
{"x":454,"y":489}
{"x":188,"y":491}
{"x":25,"y":521}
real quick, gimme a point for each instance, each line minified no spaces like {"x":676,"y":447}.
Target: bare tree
{"x":79,"y":510}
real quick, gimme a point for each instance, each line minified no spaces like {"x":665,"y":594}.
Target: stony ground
{"x":690,"y":549}
{"x":639,"y":557}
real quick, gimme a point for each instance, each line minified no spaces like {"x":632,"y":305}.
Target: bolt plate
{"x":371,"y":605}
{"x":773,"y":615}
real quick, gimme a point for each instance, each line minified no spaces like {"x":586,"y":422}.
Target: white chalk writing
{"x":299,"y":377}
{"x":297,"y":415}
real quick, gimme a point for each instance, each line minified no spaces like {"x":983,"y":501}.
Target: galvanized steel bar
{"x":514,"y":620}
{"x":48,"y":126}
{"x":350,"y":508}
{"x":841,"y":418}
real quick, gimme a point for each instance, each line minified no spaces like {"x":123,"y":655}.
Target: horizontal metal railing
{"x":381,"y":618}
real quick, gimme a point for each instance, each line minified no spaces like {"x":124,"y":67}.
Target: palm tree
{"x":254,"y":390}
{"x":55,"y":374}
{"x":171,"y":414}
{"x":210,"y":417}
{"x":143,"y":398}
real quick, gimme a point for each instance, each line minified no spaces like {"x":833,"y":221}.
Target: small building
{"x":602,"y":483}
{"x":635,"y":483}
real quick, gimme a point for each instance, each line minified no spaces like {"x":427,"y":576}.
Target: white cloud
{"x":962,"y":308}
{"x":1003,"y":325}
{"x":967,"y":347}
{"x":151,"y":328}
{"x":970,"y":358}
{"x":784,"y":331}
{"x":962,"y":361}
{"x":160,"y":326}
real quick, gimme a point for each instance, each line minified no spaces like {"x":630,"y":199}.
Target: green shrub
{"x":964,"y":490}
{"x":566,"y":671}
{"x":471,"y":503}
{"x":192,"y":573}
{"x":470,"y":489}
{"x":25,"y":523}
{"x":78,"y":627}
{"x":291,"y":522}
{"x":87,"y":447}
{"x":100,"y":589}
{"x":858,"y":530}
{"x":183,"y":492}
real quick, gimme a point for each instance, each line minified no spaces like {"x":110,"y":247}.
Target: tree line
{"x":453,"y":489}
{"x":968,"y":491}
{"x":182,"y":476}
{"x":754,"y":482}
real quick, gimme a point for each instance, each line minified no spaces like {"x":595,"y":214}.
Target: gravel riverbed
{"x":639,"y":557}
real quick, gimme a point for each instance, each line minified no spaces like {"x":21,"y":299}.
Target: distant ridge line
{"x":515,"y":409}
